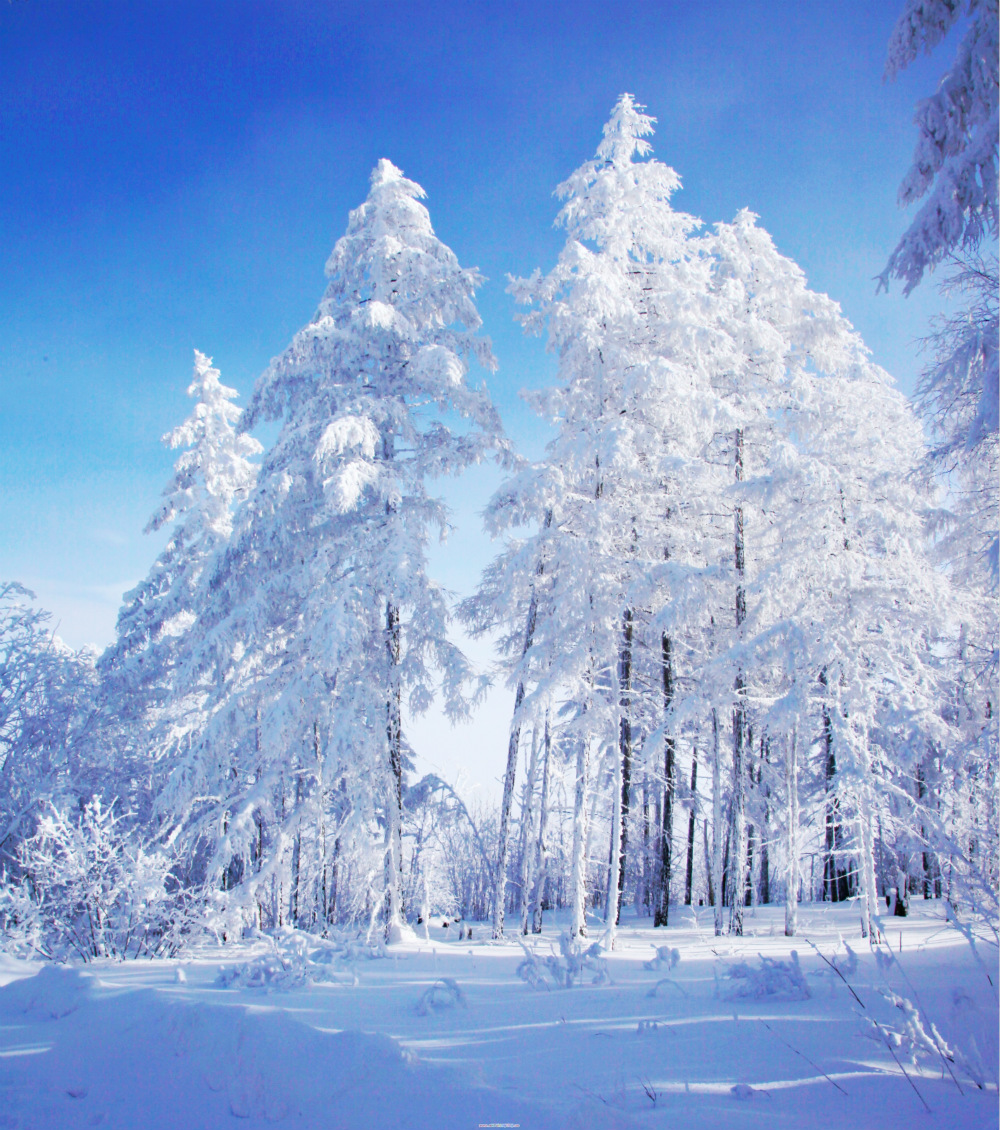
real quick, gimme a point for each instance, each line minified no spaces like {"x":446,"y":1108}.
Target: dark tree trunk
{"x":394,"y":736}
{"x":689,"y":875}
{"x":643,"y":901}
{"x":542,"y":854}
{"x":625,"y":742}
{"x":500,"y":882}
{"x":765,"y":788}
{"x":662,"y":914}
{"x":737,"y":827}
{"x":834,"y":874}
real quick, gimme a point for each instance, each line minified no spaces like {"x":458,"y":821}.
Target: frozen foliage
{"x":297,"y":960}
{"x":573,"y":962}
{"x":725,"y":547}
{"x":46,"y":704}
{"x":323,"y":622}
{"x":443,"y":994}
{"x":88,"y":891}
{"x":212,"y":476}
{"x":955,"y":162}
{"x":771,"y":978}
{"x":955,"y":167}
{"x":666,"y":958}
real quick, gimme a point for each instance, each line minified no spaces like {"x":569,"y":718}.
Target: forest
{"x":744,"y":606}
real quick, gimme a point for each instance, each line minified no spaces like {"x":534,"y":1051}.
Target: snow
{"x":444,"y":1033}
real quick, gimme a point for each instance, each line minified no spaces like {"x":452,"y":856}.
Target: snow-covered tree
{"x":88,"y":889}
{"x":728,"y":543}
{"x":325,"y":626}
{"x":625,"y":311}
{"x":845,"y":614}
{"x":955,"y":162}
{"x":955,"y":174}
{"x":212,"y":476}
{"x":46,"y":714}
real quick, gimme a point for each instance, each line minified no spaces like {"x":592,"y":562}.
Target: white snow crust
{"x":444,"y":1033}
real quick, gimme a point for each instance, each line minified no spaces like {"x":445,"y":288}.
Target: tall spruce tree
{"x":326,"y":620}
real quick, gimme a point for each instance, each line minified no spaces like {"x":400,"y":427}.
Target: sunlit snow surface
{"x":391,"y":1042}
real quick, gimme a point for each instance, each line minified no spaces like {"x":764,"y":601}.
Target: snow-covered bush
{"x":781,"y":980}
{"x":297,"y":960}
{"x":87,"y":890}
{"x":46,"y":693}
{"x":567,"y":967}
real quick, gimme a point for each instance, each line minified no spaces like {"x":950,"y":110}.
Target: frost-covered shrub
{"x":781,"y":980}
{"x":297,"y":960}
{"x":86,"y":890}
{"x":567,"y":967}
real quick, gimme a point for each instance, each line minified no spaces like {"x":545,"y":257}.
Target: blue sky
{"x":175,"y":173}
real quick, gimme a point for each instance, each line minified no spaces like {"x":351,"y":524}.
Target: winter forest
{"x":744,"y":611}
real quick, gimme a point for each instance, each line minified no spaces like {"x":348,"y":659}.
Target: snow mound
{"x":54,"y":992}
{"x":778,"y":980}
{"x":122,"y":1060}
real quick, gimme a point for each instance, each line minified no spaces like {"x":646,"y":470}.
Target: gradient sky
{"x":174,"y":175}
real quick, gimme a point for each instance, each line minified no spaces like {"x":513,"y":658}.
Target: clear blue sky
{"x":175,"y":173}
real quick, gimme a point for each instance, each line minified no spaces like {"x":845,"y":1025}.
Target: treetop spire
{"x":624,"y":132}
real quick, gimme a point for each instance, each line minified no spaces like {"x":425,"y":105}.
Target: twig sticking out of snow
{"x":814,"y":1066}
{"x":446,"y":993}
{"x":655,"y":990}
{"x":881,"y":1034}
{"x":664,"y":956}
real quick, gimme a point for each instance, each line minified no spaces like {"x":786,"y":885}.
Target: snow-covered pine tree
{"x":955,"y":175}
{"x":326,"y":623}
{"x":625,"y":310}
{"x":212,"y":476}
{"x":955,"y":161}
{"x":838,"y":583}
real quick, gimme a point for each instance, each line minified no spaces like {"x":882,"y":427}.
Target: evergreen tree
{"x":212,"y":476}
{"x":326,"y":626}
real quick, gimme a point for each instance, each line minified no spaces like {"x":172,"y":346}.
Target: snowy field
{"x":446,"y":1032}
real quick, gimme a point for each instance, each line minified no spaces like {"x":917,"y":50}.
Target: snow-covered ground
{"x":456,"y":1033}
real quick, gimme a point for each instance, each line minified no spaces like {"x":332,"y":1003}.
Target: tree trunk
{"x":792,"y":885}
{"x":869,"y":895}
{"x":614,"y":850}
{"x":689,"y":873}
{"x":623,"y":774}
{"x":834,"y":877}
{"x":765,"y":837}
{"x":527,"y":840}
{"x":394,"y":824}
{"x":709,"y":882}
{"x":716,"y":825}
{"x":541,"y":856}
{"x":662,"y":913}
{"x":500,"y":879}
{"x":737,"y":833}
{"x":643,"y":887}
{"x":293,"y":909}
{"x":578,"y":881}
